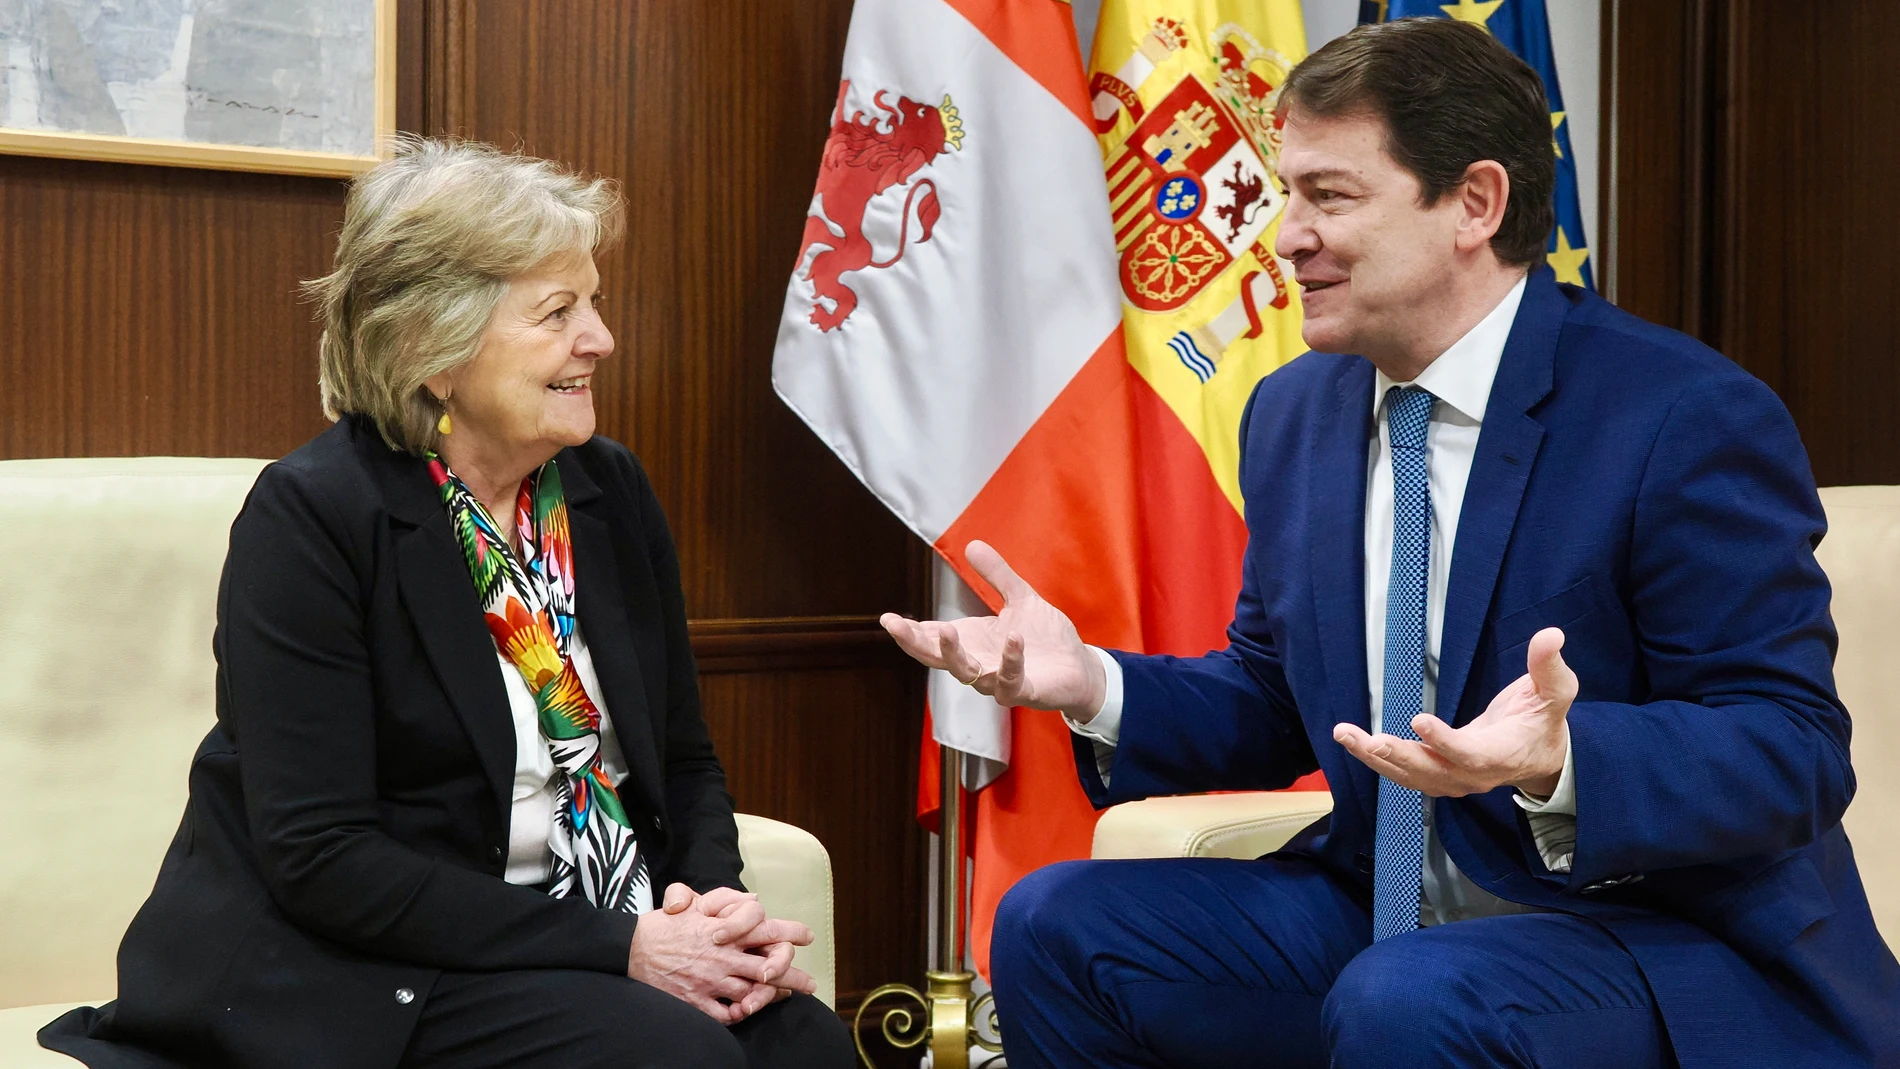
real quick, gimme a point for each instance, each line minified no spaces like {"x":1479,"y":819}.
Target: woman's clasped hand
{"x":719,"y":952}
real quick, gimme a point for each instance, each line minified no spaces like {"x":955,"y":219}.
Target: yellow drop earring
{"x":443,"y":426}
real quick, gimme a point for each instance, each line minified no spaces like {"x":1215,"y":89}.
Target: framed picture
{"x":283,"y":86}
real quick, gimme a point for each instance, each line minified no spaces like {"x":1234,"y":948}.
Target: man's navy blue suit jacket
{"x":1645,"y":494}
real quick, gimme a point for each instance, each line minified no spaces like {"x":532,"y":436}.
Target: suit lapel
{"x":1507,"y":450}
{"x":1337,"y":559}
{"x":440,"y":597}
{"x":601,"y":606}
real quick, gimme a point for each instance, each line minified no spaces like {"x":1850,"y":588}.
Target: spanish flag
{"x":1033,"y":300}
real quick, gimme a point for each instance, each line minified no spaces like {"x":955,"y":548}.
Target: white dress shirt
{"x":531,"y":814}
{"x":1461,"y":381}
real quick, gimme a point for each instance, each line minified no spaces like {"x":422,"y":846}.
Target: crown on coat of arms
{"x":1249,"y":84}
{"x":1165,"y":36}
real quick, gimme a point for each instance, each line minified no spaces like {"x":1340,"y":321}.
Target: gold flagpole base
{"x":944,"y":1015}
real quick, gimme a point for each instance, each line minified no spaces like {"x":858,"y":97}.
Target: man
{"x":1532,"y":581}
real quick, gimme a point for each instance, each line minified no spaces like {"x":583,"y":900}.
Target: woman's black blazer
{"x":348,"y":822}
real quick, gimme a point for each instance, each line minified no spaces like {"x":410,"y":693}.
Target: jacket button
{"x":404,"y":996}
{"x":1364,"y":861}
{"x":1614,"y":881}
{"x":494,"y":853}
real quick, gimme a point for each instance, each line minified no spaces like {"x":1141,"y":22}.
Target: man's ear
{"x":1481,"y":200}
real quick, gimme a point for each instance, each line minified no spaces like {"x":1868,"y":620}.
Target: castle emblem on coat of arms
{"x":864,"y":157}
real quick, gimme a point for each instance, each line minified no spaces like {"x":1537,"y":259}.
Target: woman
{"x":459,"y":741}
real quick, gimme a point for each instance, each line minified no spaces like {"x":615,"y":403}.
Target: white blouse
{"x":531,"y":816}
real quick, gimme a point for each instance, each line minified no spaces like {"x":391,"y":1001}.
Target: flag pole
{"x":950,"y":901}
{"x":947,"y":1018}
{"x":948,"y":985}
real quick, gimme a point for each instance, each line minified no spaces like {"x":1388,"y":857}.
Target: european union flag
{"x":1524,"y":27}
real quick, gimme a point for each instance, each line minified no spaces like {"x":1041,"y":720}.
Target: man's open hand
{"x":1519,"y":739}
{"x":1029,"y":654}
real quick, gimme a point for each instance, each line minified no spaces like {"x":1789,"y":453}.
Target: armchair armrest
{"x":1240,"y":825}
{"x":788,"y":868}
{"x":19,"y":1036}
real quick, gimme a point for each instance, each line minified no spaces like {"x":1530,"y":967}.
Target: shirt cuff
{"x":1563,"y":797}
{"x":1106,"y":727}
{"x":1105,"y":730}
{"x":1553,"y":820}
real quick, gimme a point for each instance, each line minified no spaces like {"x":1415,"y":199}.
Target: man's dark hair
{"x":1450,"y":95}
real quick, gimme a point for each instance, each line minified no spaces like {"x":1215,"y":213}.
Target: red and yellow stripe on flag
{"x":1122,"y":502}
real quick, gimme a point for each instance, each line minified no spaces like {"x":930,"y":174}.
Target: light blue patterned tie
{"x":1400,"y":859}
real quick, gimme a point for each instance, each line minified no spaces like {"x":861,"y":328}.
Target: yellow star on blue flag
{"x":1524,"y":27}
{"x":1473,"y":11}
{"x":1566,"y":261}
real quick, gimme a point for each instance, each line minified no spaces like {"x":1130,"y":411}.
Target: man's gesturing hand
{"x":1519,"y":739}
{"x":1029,"y":654}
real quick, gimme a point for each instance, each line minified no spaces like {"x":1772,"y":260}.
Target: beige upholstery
{"x":1246,"y":824}
{"x":791,"y":873}
{"x":1861,"y":555}
{"x":108,"y":575}
{"x":19,"y":1044}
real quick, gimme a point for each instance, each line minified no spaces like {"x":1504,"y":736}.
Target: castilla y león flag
{"x":1031,"y":302}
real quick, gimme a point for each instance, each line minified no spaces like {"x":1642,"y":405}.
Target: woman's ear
{"x":440,"y":386}
{"x":1482,"y":200}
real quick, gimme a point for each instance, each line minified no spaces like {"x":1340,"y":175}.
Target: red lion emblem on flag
{"x":863,"y":158}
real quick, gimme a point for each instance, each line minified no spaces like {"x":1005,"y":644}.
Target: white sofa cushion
{"x":110,"y":573}
{"x":1861,"y":555}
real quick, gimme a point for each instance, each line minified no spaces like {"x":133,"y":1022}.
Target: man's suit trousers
{"x":1209,"y":962}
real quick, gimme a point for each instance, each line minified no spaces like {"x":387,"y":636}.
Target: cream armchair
{"x":108,"y":578}
{"x":1861,"y":555}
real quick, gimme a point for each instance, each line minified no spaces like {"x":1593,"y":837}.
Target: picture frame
{"x":212,"y":153}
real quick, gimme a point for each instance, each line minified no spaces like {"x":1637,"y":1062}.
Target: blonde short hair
{"x":430,"y":240}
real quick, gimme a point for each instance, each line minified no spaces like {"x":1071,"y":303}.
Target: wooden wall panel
{"x":1655,"y":152}
{"x":1754,"y":158}
{"x":152,"y":310}
{"x":148,"y":310}
{"x":1809,"y":228}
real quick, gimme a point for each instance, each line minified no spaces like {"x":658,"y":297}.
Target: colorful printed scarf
{"x":527,"y":597}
